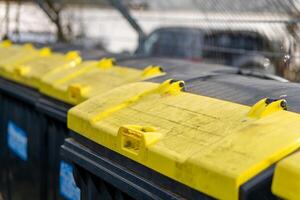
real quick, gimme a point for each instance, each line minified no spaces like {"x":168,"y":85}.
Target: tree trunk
{"x":59,"y":32}
{"x":54,"y":15}
{"x":5,"y":37}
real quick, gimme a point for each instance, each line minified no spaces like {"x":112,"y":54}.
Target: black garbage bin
{"x":24,"y":129}
{"x":63,"y":90}
{"x":2,"y":149}
{"x":23,"y":138}
{"x":220,"y":138}
{"x":11,"y":114}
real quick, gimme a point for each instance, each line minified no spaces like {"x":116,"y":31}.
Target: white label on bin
{"x":67,"y":186}
{"x":17,"y":140}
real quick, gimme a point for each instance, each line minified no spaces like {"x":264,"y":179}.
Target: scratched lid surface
{"x":30,"y":72}
{"x":12,"y":54}
{"x":74,"y":85}
{"x":211,"y":145}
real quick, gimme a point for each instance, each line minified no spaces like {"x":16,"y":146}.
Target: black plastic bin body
{"x":60,"y":181}
{"x":31,"y":170}
{"x":2,"y":149}
{"x":103,"y":174}
{"x":100,"y":174}
{"x":23,"y":134}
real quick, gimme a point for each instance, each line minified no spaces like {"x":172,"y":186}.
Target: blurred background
{"x":261,"y":36}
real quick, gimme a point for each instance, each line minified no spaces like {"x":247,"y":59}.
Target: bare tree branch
{"x":53,"y":13}
{"x":7,"y":21}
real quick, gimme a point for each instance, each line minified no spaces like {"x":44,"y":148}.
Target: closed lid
{"x":286,"y":180}
{"x":211,"y":145}
{"x":74,"y":85}
{"x":30,"y":72}
{"x":11,"y":54}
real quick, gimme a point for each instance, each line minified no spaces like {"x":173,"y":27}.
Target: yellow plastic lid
{"x":74,"y":85}
{"x":211,"y":145}
{"x":286,"y":180}
{"x":11,"y":54}
{"x":30,"y":72}
{"x":5,"y":43}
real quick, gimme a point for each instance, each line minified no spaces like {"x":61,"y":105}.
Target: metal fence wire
{"x":263,"y":35}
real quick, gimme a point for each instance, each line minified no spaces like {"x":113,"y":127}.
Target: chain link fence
{"x":242,"y":33}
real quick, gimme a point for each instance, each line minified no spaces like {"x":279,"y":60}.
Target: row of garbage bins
{"x":74,"y":129}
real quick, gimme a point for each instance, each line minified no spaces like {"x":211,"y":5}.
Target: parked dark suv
{"x":243,"y":49}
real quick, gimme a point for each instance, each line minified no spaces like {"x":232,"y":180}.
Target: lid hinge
{"x":152,"y":71}
{"x":266,"y":107}
{"x":75,"y":56}
{"x":6,"y":43}
{"x":106,"y":63}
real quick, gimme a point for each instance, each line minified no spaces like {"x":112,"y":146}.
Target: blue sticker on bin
{"x":17,"y":140}
{"x":67,"y":186}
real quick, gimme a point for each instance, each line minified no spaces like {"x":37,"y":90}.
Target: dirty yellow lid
{"x":286,"y":180}
{"x":30,"y":72}
{"x":211,"y":145}
{"x":11,"y":54}
{"x":5,"y":43}
{"x":74,"y":85}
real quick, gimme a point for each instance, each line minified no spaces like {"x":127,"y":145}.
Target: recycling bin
{"x":2,"y":149}
{"x":200,"y":138}
{"x":11,"y":54}
{"x":285,"y":182}
{"x":24,"y":133}
{"x":69,"y":87}
{"x":66,"y":88}
{"x":35,"y":125}
{"x":23,"y":127}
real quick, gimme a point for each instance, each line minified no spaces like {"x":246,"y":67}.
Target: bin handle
{"x":76,"y":91}
{"x":45,"y":51}
{"x":134,"y":139}
{"x":21,"y":70}
{"x":28,"y":46}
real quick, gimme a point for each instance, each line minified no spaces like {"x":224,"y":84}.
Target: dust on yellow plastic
{"x":211,"y":145}
{"x":74,"y":85}
{"x":31,"y":71}
{"x":11,"y":54}
{"x":286,"y":180}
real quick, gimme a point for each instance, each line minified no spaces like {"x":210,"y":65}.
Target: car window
{"x":174,"y":43}
{"x":149,"y":43}
{"x":228,"y":45}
